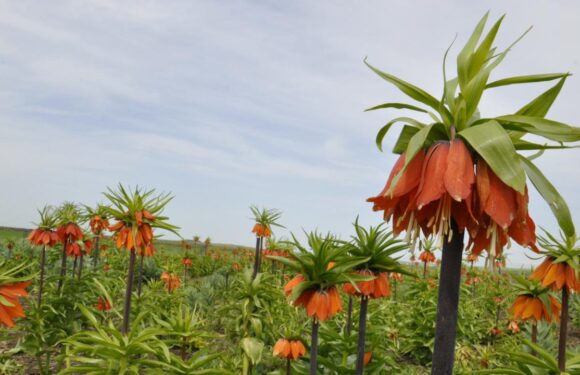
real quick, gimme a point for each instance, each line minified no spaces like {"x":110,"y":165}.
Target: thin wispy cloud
{"x":244,"y":102}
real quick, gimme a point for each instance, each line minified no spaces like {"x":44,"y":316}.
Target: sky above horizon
{"x":232,"y":104}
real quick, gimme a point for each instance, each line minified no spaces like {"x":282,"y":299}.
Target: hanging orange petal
{"x":432,"y":185}
{"x":459,"y":175}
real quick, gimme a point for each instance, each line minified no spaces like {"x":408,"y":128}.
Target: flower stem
{"x":349,"y":317}
{"x":62,"y":265}
{"x":74,"y":270}
{"x":42,"y":267}
{"x":80,"y":267}
{"x":128,"y":292}
{"x":447,"y":304}
{"x":563,"y":330}
{"x":314,"y":347}
{"x":257,"y":259}
{"x":288,"y":367}
{"x":362,"y":328}
{"x":96,"y":252}
{"x":140,"y":279}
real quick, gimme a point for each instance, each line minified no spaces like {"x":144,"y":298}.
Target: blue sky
{"x":228,"y":104}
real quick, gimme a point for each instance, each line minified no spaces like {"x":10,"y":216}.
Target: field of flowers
{"x":93,"y":290}
{"x":200,"y":309}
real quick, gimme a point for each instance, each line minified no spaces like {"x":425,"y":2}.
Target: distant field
{"x":16,"y":234}
{"x":13,"y":234}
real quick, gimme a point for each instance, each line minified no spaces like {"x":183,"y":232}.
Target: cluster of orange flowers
{"x":472,"y":280}
{"x":103,"y":304}
{"x":396,"y":276}
{"x":10,"y":308}
{"x":556,"y":275}
{"x":275,"y":253}
{"x":528,"y":306}
{"x":445,"y":184}
{"x":75,"y":249}
{"x":320,"y":303}
{"x":289,"y":349}
{"x":98,"y":224}
{"x":142,"y":240}
{"x":186,"y":262}
{"x":43,"y":237}
{"x":427,"y":257}
{"x":261,"y":230}
{"x":171,"y":281}
{"x":375,"y":288}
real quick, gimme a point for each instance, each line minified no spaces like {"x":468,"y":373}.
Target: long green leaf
{"x":404,"y":137}
{"x":551,"y":196}
{"x":464,"y":56}
{"x":479,"y":57}
{"x":397,"y":106}
{"x":549,"y":129}
{"x":412,"y":91}
{"x":494,"y":145}
{"x":540,"y":106}
{"x":526,"y":79}
{"x":384,"y":130}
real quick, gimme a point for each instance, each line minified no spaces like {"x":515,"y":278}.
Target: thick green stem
{"x":80,"y":267}
{"x":96,"y":252}
{"x":74,"y":270}
{"x":62,"y":265}
{"x":140,"y":278}
{"x":42,"y":267}
{"x":257,"y":258}
{"x":314,"y":347}
{"x":349,"y":316}
{"x":447,"y":304}
{"x":128,"y":293}
{"x":288,"y":367}
{"x":362,"y":329}
{"x":563,"y":330}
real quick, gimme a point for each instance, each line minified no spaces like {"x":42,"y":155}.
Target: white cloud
{"x":265,"y":98}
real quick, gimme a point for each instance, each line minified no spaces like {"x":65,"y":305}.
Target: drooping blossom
{"x":320,"y":303}
{"x":289,"y":349}
{"x":556,"y":275}
{"x":530,"y":307}
{"x":378,"y":287}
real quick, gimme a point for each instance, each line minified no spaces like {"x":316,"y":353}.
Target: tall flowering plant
{"x":98,"y":219}
{"x":560,"y":271}
{"x":320,"y":269}
{"x":69,"y":233}
{"x":264,"y":220}
{"x":44,"y":235}
{"x":462,"y":172}
{"x":377,"y":248}
{"x":137,"y":212}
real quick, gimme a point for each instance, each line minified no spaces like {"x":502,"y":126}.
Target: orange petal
{"x":312,"y":306}
{"x":459,"y":175}
{"x":432,"y":185}
{"x":501,"y":204}
{"x":541,"y":270}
